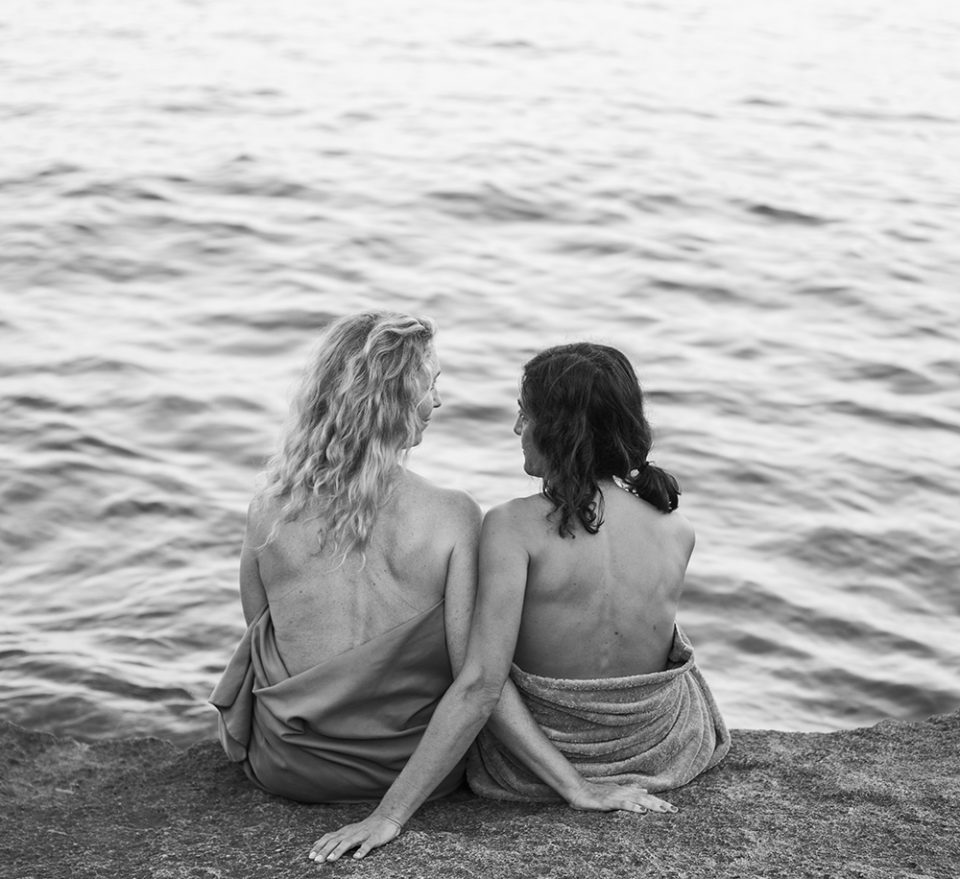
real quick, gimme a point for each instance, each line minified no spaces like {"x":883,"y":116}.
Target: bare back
{"x":601,"y":605}
{"x":320,"y":609}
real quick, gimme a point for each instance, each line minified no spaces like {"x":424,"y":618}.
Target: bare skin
{"x":422,"y":550}
{"x":614,"y":593}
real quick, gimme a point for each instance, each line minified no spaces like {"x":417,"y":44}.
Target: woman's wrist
{"x":382,"y":815}
{"x":573,"y":789}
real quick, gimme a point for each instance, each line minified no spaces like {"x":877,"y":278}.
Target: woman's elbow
{"x":480,"y":692}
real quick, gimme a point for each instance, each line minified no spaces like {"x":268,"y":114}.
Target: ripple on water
{"x":775,"y":252}
{"x":786,"y":215}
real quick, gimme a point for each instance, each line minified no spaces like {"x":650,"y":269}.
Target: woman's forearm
{"x":513,"y":724}
{"x":459,"y":717}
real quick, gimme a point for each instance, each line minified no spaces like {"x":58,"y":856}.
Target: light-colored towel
{"x":658,"y":730}
{"x":342,"y":730}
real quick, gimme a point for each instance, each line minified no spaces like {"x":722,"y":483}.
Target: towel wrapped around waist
{"x":658,"y":730}
{"x":342,"y":730}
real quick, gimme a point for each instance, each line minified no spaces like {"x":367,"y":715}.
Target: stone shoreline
{"x":877,"y":802}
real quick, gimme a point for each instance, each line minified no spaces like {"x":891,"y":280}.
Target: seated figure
{"x":574,"y":653}
{"x":354,"y":575}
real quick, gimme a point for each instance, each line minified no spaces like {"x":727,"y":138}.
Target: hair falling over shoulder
{"x":586,"y":408}
{"x":351,"y":423}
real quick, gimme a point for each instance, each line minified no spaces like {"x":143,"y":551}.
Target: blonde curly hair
{"x":351,"y":423}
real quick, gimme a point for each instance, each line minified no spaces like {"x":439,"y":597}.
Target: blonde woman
{"x":357,"y":577}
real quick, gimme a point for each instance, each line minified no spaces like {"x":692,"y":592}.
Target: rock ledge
{"x":877,"y":802}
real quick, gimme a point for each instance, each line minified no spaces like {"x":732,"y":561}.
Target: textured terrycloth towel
{"x":659,"y":730}
{"x":342,"y":730}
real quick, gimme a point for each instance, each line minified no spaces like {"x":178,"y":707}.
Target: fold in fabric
{"x":342,"y":730}
{"x":658,"y":730}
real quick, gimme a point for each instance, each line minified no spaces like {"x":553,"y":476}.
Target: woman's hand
{"x":608,"y":796}
{"x":373,"y":832}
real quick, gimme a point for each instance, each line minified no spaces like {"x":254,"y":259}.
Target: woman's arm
{"x":465,"y":706}
{"x":510,"y":721}
{"x":513,"y":724}
{"x":253,"y":597}
{"x":460,"y":590}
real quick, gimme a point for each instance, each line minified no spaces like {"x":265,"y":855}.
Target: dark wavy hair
{"x":586,"y":409}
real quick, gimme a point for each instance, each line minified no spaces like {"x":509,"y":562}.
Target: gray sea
{"x":757,"y":200}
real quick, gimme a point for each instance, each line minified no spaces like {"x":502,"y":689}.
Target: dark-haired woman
{"x":573,"y":646}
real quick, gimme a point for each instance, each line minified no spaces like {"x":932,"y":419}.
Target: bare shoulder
{"x":261,"y":514}
{"x":447,"y":507}
{"x":684,"y":531}
{"x":521,"y":518}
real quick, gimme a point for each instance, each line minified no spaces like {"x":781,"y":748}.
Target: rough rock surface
{"x":870,"y":803}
